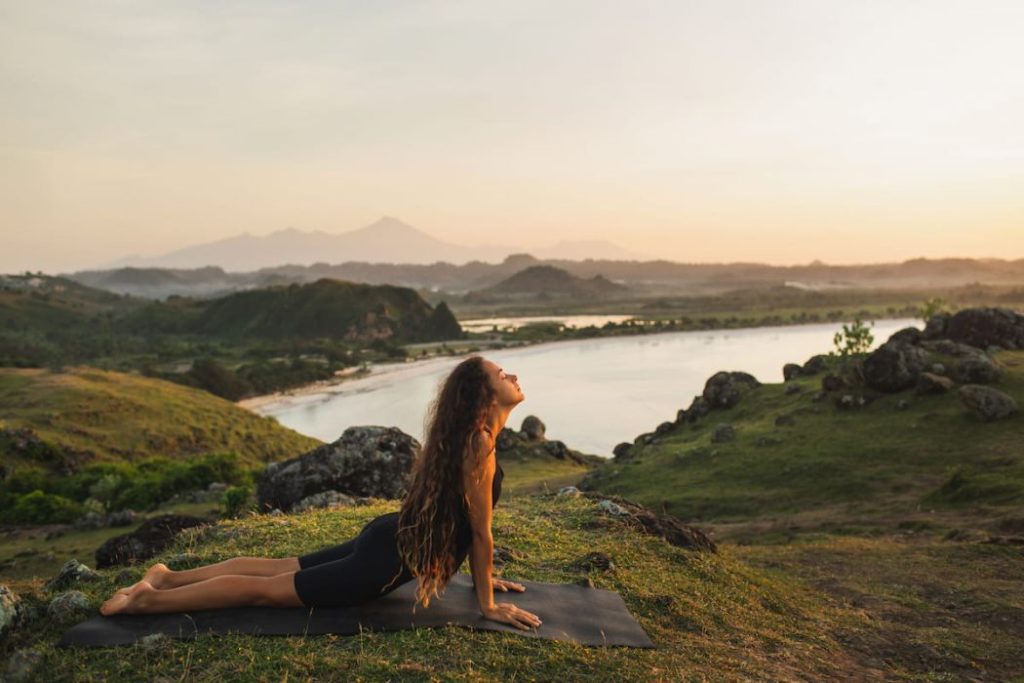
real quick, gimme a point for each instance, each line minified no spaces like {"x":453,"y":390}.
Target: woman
{"x":445,"y":516}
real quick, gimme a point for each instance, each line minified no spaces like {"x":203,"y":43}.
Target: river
{"x":591,"y":393}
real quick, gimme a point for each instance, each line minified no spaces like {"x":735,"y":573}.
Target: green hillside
{"x":875,"y":462}
{"x":93,"y":415}
{"x":325,"y":308}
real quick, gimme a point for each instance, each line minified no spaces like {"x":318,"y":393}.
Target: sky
{"x":719,"y":131}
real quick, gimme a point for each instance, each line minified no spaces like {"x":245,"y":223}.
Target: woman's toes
{"x":129,"y":603}
{"x":116,"y":603}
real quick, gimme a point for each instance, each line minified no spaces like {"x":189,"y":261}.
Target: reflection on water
{"x":591,"y":393}
{"x":488,"y":324}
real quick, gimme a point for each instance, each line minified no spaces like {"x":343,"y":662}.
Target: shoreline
{"x":342,"y":377}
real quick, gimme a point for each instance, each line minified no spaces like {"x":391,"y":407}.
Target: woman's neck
{"x":496,"y":419}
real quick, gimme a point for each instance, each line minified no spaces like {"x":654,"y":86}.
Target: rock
{"x":509,"y":440}
{"x":149,"y":539}
{"x":365,"y":461}
{"x":831,"y":382}
{"x":699,"y":407}
{"x":622,"y":451}
{"x":928,"y":383}
{"x":665,"y":526}
{"x":723,"y":389}
{"x":938,"y":369}
{"x":784,"y":420}
{"x":664,"y":428}
{"x":122,"y":518}
{"x":503,"y":555}
{"x":909,"y":335}
{"x":90,"y":520}
{"x":894,"y":366}
{"x":949,"y":348}
{"x":595,"y":560}
{"x":792,"y":389}
{"x":791,"y":371}
{"x":12,"y":611}
{"x":569,"y":491}
{"x":612,"y":508}
{"x":324,"y":499}
{"x":71,"y":573}
{"x":975,"y":369}
{"x":557,"y":449}
{"x":902,"y":404}
{"x":217,"y":487}
{"x":23,"y":665}
{"x":152,"y":641}
{"x":982,"y":327}
{"x":850,"y":401}
{"x":987,"y":403}
{"x":819,"y":396}
{"x":815,"y":364}
{"x":935,"y":327}
{"x":68,"y":604}
{"x":533,"y":428}
{"x":723,"y":432}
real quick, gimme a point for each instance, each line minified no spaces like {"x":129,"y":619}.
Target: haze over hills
{"x":645,"y":278}
{"x":387,"y":240}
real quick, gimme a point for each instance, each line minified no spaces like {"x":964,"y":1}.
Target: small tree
{"x":933,"y":306}
{"x":853,"y":339}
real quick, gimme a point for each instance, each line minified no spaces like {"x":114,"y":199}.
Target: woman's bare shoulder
{"x":480,"y":445}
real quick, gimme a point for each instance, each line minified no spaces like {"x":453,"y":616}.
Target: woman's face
{"x":505,"y":385}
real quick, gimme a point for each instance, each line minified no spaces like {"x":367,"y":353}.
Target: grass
{"x":711,"y":616}
{"x":121,"y":416}
{"x":875,"y":544}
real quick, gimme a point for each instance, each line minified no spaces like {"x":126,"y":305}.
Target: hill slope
{"x":709,"y":615}
{"x":102,"y":416}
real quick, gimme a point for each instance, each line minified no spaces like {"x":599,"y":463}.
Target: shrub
{"x":854,"y":339}
{"x":235,"y":500}
{"x":38,"y":507}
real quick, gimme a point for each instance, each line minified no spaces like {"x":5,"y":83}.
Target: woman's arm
{"x":478,"y":475}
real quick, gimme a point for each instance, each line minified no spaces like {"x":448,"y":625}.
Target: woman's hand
{"x":505,"y":586}
{"x":508,"y":613}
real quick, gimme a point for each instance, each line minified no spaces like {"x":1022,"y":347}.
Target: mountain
{"x":387,"y":240}
{"x":548,"y":282}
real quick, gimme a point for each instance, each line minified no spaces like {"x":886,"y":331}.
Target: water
{"x":591,"y":394}
{"x":487,"y":324}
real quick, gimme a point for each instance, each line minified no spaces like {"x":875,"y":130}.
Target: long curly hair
{"x":427,"y":522}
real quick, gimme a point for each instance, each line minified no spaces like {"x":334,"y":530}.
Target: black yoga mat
{"x":589,"y":616}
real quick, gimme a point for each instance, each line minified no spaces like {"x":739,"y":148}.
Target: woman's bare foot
{"x":127,"y":603}
{"x":155,"y":575}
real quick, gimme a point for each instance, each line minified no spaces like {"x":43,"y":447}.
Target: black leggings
{"x":363,"y":568}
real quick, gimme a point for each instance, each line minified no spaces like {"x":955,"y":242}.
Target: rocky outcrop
{"x":12,"y":611}
{"x":532,"y":428}
{"x":724,"y":389}
{"x":369,"y":461}
{"x":511,"y":443}
{"x":894,"y":366}
{"x":647,"y":521}
{"x":149,"y":539}
{"x":72,"y":573}
{"x":987,"y":403}
{"x":985,"y":327}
